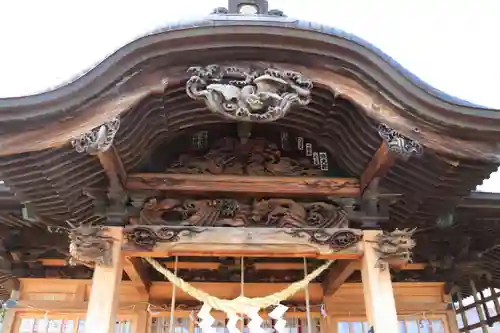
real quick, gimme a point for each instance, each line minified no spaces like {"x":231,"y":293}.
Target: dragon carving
{"x":395,"y":246}
{"x":90,"y":245}
{"x":283,"y":213}
{"x":257,"y":157}
{"x":248,"y":96}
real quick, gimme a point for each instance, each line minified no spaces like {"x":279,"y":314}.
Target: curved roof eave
{"x":61,"y":99}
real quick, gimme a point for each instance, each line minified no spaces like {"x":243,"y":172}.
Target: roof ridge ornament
{"x":248,"y":7}
{"x":98,"y":139}
{"x":244,"y":95}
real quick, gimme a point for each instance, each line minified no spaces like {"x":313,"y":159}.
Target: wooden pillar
{"x":377,"y":288}
{"x":141,"y":320}
{"x":451,"y":321}
{"x":328,"y":324}
{"x":103,"y":302}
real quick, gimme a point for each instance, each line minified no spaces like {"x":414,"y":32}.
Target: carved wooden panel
{"x":158,"y":241}
{"x":243,"y":212}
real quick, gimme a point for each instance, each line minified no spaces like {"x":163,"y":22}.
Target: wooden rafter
{"x":379,"y":165}
{"x":340,"y":271}
{"x":138,"y":274}
{"x":269,"y":186}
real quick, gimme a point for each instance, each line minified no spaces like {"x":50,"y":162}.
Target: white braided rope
{"x":240,"y":304}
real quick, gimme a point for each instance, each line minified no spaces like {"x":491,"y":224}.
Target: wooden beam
{"x":67,"y":306}
{"x":50,"y":262}
{"x":162,"y":291}
{"x":116,"y":197}
{"x":338,"y":273}
{"x":269,"y":186}
{"x":268,"y":266}
{"x":378,"y":166}
{"x":114,"y":169}
{"x":103,"y":303}
{"x":249,"y":242}
{"x":136,"y":270}
{"x":377,"y":287}
{"x":280,"y":266}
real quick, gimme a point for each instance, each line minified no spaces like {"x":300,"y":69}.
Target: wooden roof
{"x":356,"y":89}
{"x":346,"y":65}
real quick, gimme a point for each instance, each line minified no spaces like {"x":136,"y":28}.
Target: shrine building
{"x":248,"y":173}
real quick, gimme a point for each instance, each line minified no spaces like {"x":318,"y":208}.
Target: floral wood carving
{"x":281,"y":213}
{"x":338,"y":240}
{"x":147,"y":237}
{"x":90,"y":245}
{"x":398,"y":143}
{"x":98,"y":139}
{"x":250,"y":96}
{"x":258,"y":157}
{"x":394,"y":247}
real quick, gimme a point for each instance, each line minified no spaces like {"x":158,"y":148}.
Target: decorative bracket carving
{"x":98,"y":139}
{"x":394,"y":247}
{"x":398,"y":143}
{"x":90,"y":245}
{"x":250,"y":96}
{"x":338,"y":240}
{"x":113,"y":206}
{"x":148,"y":237}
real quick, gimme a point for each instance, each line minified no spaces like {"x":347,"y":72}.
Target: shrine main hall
{"x":248,"y":172}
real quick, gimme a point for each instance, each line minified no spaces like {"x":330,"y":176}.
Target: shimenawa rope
{"x":241,"y":303}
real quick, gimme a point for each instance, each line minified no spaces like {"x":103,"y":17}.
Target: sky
{"x":451,"y":44}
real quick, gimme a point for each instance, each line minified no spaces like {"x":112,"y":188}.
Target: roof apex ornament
{"x":248,"y":7}
{"x":98,"y":139}
{"x":250,"y":96}
{"x":398,"y":143}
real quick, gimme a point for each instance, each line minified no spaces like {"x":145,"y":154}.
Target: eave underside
{"x":353,"y":94}
{"x":54,"y":181}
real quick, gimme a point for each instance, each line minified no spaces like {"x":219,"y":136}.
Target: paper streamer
{"x":231,"y":324}
{"x":277,"y":314}
{"x":206,"y":319}
{"x":256,"y":321}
